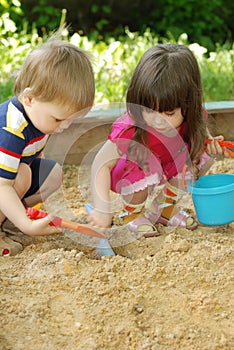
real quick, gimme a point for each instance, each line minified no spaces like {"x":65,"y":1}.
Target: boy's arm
{"x":12,"y":207}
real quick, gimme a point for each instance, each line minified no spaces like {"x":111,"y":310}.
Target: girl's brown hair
{"x":58,"y":71}
{"x":167,"y":77}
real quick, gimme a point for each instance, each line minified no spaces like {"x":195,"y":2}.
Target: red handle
{"x":229,"y":144}
{"x":36,"y":214}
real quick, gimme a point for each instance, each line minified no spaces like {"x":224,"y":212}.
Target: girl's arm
{"x":105,"y":159}
{"x":13,"y":209}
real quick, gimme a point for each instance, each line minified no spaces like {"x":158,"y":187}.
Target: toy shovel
{"x":103,"y":248}
{"x":35,"y":214}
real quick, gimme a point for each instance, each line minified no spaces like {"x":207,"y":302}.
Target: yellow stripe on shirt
{"x":12,"y":170}
{"x":14,"y":132}
{"x":15,"y":119}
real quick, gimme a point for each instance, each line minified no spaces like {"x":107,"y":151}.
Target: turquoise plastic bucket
{"x":213,"y":199}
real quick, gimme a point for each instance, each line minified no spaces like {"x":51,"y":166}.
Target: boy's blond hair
{"x":60,"y":72}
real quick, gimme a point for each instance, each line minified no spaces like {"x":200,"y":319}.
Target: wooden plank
{"x":83,"y":138}
{"x":111,"y":111}
{"x":218,"y":107}
{"x":222,"y":124}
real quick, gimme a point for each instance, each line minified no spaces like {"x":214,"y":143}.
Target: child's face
{"x":165,"y":123}
{"x":49,"y":117}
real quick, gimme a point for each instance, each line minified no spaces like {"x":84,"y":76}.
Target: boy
{"x":54,"y":86}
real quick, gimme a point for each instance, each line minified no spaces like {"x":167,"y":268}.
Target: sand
{"x":174,"y":291}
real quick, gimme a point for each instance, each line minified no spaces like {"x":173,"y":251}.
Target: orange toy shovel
{"x":35,"y":214}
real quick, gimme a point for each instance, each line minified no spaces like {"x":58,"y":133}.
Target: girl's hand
{"x":99,"y":219}
{"x":214,"y":149}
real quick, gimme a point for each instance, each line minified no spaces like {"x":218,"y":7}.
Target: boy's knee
{"x":56,"y":176}
{"x":23,"y":179}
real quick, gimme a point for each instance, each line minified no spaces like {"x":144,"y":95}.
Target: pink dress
{"x":165,"y":158}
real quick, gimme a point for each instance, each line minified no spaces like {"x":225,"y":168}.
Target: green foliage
{"x":46,"y":14}
{"x":12,"y":7}
{"x":11,"y":11}
{"x":217,"y":74}
{"x":104,"y":10}
{"x":206,"y":22}
{"x":115,"y":60}
{"x":13,"y":48}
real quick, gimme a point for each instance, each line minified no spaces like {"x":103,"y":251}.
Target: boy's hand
{"x":41,"y":227}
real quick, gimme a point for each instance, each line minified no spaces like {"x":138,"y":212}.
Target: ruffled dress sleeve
{"x":122,"y":132}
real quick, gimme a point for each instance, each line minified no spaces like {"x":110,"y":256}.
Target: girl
{"x":163,"y":130}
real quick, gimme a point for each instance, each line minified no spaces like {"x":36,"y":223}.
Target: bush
{"x":206,"y":22}
{"x":115,"y":60}
{"x":13,"y":48}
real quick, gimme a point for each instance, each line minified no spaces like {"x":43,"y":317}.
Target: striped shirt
{"x":20,"y":141}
